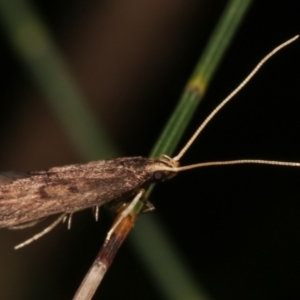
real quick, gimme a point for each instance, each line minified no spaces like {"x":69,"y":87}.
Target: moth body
{"x":26,"y":197}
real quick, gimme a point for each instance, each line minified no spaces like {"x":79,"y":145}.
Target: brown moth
{"x":30,"y":196}
{"x":27,"y":198}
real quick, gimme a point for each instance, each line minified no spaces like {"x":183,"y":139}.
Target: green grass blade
{"x":198,"y":83}
{"x":171,"y":274}
{"x":33,"y":43}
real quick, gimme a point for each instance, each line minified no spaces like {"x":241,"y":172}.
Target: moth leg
{"x":148,"y":206}
{"x":70,"y":220}
{"x":125,"y":213}
{"x":46,"y":230}
{"x":26,"y":225}
{"x":69,"y":217}
{"x":96,"y":212}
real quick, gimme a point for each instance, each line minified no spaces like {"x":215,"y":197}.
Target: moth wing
{"x":10,"y":176}
{"x":25,"y":198}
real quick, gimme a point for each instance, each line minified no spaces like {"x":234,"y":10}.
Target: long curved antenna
{"x":236,"y":162}
{"x":229,"y":97}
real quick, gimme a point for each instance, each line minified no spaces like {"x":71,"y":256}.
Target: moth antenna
{"x":235,"y":162}
{"x":40,"y":234}
{"x":230,"y":96}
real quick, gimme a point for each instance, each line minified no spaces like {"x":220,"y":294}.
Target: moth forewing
{"x":31,"y":196}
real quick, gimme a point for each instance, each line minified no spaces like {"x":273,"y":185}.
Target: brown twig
{"x":105,"y":258}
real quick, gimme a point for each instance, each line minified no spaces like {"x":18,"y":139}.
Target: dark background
{"x":237,"y":227}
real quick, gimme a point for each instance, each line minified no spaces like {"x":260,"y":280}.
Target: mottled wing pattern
{"x":25,"y":197}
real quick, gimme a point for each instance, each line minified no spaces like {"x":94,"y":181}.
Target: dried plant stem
{"x":105,"y":258}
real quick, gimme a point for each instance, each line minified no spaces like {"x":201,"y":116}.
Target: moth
{"x":27,"y":198}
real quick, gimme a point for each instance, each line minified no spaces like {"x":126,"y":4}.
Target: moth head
{"x":163,"y":168}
